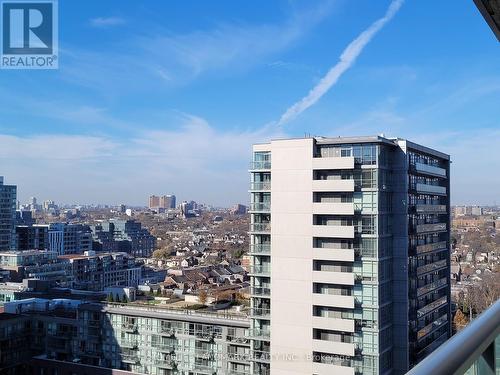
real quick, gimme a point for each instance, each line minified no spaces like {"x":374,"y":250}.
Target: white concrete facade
{"x":328,"y":276}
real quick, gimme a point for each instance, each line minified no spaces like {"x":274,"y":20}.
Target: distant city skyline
{"x":139,"y":203}
{"x":153,"y":97}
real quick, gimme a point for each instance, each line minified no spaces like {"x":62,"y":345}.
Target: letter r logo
{"x":27,"y":28}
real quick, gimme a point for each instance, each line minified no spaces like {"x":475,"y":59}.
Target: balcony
{"x":333,"y":186}
{"x":343,"y":255}
{"x":259,"y":313}
{"x":470,"y":351}
{"x":437,"y":227}
{"x":260,"y":292}
{"x":431,"y":208}
{"x":429,"y":170}
{"x":333,"y":231}
{"x":432,"y":327}
{"x":326,"y":208}
{"x":431,"y":267}
{"x":432,"y":286}
{"x":260,"y":186}
{"x":430,"y":189}
{"x":333,"y":347}
{"x":129,"y":344}
{"x":260,"y":227}
{"x":328,"y":277}
{"x":260,"y":207}
{"x":260,"y":249}
{"x":432,"y":346}
{"x":260,"y":270}
{"x":432,"y":306}
{"x":422,"y":249}
{"x":333,"y":163}
{"x":130,"y":358}
{"x":336,"y":324}
{"x":260,"y":165}
{"x":259,"y":334}
{"x":339,"y":367}
{"x":129,"y":327}
{"x":333,"y":300}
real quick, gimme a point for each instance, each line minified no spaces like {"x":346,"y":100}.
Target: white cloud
{"x":195,"y":161}
{"x":60,"y":147}
{"x":107,"y":21}
{"x":347,"y":59}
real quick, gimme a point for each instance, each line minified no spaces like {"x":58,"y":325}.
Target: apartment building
{"x":31,"y":237}
{"x":167,"y":201}
{"x":17,"y":266}
{"x":350,"y":255}
{"x":125,"y":236}
{"x":140,"y":339}
{"x":94,"y":272}
{"x":154,"y":201}
{"x":8,"y":195}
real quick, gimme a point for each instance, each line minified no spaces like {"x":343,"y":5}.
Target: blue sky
{"x":161,"y":97}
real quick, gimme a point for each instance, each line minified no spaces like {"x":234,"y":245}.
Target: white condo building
{"x":350,"y":255}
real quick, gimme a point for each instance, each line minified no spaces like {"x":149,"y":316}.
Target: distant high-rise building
{"x":460,"y":211}
{"x":239,"y":209}
{"x":154,"y":201}
{"x":7,"y":216}
{"x":164,"y":202}
{"x":49,"y":205}
{"x":350,"y":243}
{"x":167,"y":201}
{"x":476,"y":210}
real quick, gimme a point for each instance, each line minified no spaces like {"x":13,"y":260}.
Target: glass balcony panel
{"x":431,"y":247}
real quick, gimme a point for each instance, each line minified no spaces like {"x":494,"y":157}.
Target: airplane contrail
{"x":347,"y":59}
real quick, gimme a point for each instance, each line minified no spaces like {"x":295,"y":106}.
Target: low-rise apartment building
{"x":140,"y":339}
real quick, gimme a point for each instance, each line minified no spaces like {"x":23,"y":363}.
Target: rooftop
{"x":366,"y":139}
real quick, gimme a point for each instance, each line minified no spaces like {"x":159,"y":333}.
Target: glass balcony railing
{"x":264,"y":270}
{"x":431,"y":267}
{"x":260,"y":206}
{"x":261,"y":248}
{"x":431,"y":247}
{"x":436,"y":227}
{"x":430,"y":189}
{"x":432,"y":326}
{"x":260,"y":165}
{"x":473,"y":351}
{"x":430,"y":208}
{"x":258,"y":333}
{"x":260,"y":185}
{"x":432,"y":306}
{"x":432,"y":286}
{"x":260,"y":313}
{"x":429,"y":169}
{"x":261,"y":292}
{"x":260,"y":227}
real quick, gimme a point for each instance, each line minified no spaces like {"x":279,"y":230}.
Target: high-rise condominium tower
{"x":350,"y":246}
{"x":7,"y":216}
